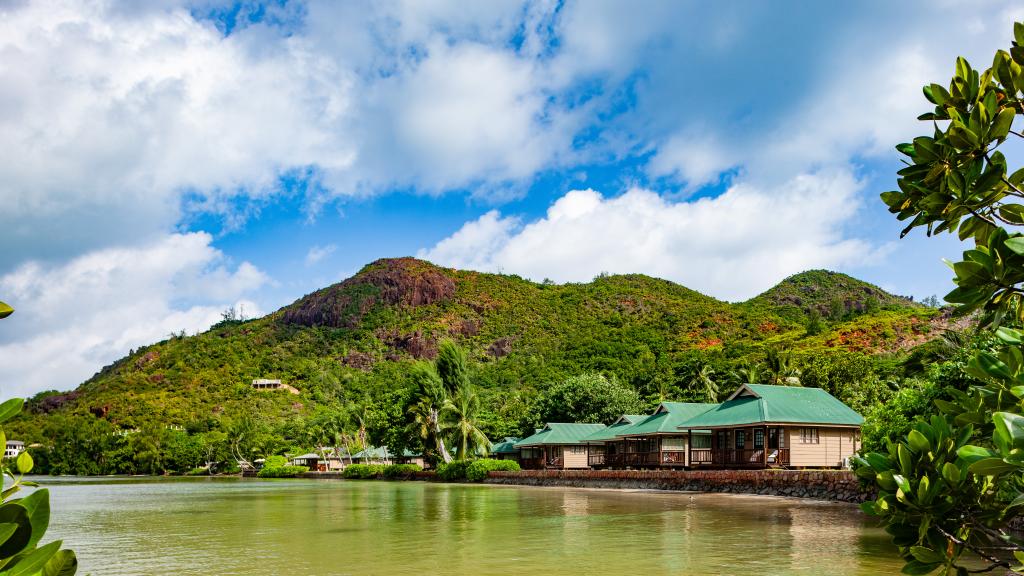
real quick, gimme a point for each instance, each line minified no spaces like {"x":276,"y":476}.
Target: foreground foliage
{"x":23,"y":521}
{"x":952,"y":485}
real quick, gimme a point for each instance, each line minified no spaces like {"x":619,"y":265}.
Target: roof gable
{"x":666,"y":419}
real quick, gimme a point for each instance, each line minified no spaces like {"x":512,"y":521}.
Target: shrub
{"x":363,"y":471}
{"x":400,"y":471}
{"x":282,"y":471}
{"x":275,"y":462}
{"x":453,"y":471}
{"x":478,"y":470}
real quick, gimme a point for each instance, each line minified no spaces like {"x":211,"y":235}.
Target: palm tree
{"x":746,"y":374}
{"x":463,"y":413}
{"x":452,"y":366}
{"x":781,"y":369}
{"x":702,"y":380}
{"x":426,"y":411}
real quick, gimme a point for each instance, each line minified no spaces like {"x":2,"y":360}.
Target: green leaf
{"x":916,"y":567}
{"x":904,"y":456}
{"x":918,"y":441}
{"x":1001,"y":125}
{"x":7,"y":530}
{"x":972,"y":273}
{"x":974,"y":453}
{"x":38,"y":506}
{"x":891,"y":199}
{"x":63,"y":563}
{"x":992,"y":366}
{"x":24,"y":462}
{"x":1016,"y":244}
{"x":1013,"y":213}
{"x":1009,"y":335}
{"x":34,"y":562}
{"x":991,"y":467}
{"x":902,"y":482}
{"x":5,"y":310}
{"x":14,"y":513}
{"x":878,"y":461}
{"x":951,"y":473}
{"x":926,"y":555}
{"x":10,"y":408}
{"x":1011,"y":427}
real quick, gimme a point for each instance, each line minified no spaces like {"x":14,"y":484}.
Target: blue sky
{"x":166,"y":160}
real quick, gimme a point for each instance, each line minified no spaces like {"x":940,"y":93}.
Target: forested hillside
{"x":349,"y":347}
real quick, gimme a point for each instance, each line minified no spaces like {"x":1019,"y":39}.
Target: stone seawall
{"x":837,"y":485}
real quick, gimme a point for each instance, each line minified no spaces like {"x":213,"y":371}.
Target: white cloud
{"x":696,"y":158}
{"x":732,"y":246}
{"x":107,"y":119}
{"x":318,"y":253}
{"x":73,"y":318}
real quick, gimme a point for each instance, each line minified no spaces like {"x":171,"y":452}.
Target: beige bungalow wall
{"x":833,"y":447}
{"x":574,"y":457}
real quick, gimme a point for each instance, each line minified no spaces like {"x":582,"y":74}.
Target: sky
{"x":163,"y":161}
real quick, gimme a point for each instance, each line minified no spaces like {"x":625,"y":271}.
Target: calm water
{"x":297,"y":527}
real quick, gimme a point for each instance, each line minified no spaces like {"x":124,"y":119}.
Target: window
{"x":741,"y":439}
{"x":809,"y":436}
{"x":579,"y":450}
{"x":758,"y":439}
{"x":701,"y":441}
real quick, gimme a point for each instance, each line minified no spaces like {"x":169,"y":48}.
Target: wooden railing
{"x":749,"y":457}
{"x":554,"y":462}
{"x":673,"y":457}
{"x":594,"y":460}
{"x":700,"y":456}
{"x":641,"y":459}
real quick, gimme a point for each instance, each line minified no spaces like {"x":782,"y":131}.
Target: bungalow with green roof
{"x":762,"y":426}
{"x":602,"y":444}
{"x":556,"y":445}
{"x":506,"y":449}
{"x":657,"y":442}
{"x":381,"y":455}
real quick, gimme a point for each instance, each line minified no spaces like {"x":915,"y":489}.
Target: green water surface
{"x":304,"y":527}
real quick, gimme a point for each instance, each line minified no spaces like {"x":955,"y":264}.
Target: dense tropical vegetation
{"x":950,"y":489}
{"x":416,"y":357}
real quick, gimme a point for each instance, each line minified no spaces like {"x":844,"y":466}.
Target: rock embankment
{"x":835,"y":485}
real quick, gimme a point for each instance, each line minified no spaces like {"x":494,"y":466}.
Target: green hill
{"x":352,"y":343}
{"x":832,"y":294}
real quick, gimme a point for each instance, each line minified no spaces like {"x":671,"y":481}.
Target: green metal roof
{"x":506,"y":446}
{"x":382,"y":453}
{"x":666,"y":419}
{"x":558,"y":433}
{"x":761,"y":403}
{"x":607,"y":434}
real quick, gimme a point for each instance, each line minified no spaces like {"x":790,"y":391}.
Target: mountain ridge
{"x":355,"y":338}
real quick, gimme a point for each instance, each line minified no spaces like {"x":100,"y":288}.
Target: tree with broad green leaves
{"x":952,"y":486}
{"x":588,"y":398}
{"x":23,"y":521}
